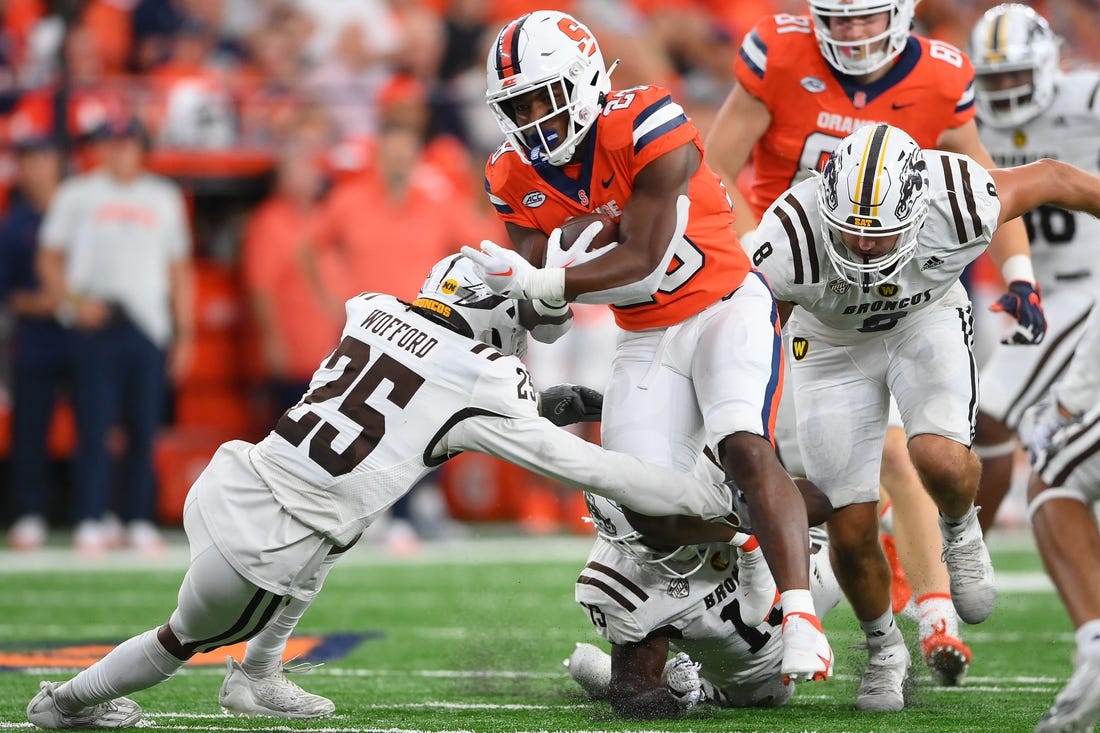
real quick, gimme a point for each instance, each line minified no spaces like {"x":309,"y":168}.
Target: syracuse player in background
{"x":803,"y":82}
{"x":699,"y":361}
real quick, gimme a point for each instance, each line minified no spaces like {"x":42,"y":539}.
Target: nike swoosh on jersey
{"x":895,"y":105}
{"x":608,"y":181}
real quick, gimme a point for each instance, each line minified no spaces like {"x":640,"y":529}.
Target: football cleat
{"x":1076,"y":709}
{"x":947,"y":657}
{"x":807,"y":656}
{"x":274,"y":696}
{"x":43,"y":712}
{"x":973,"y":590}
{"x":882,"y":686}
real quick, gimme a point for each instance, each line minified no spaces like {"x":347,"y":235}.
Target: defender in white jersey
{"x":647,"y":593}
{"x":1028,"y":109}
{"x":870,"y":252}
{"x":409,"y":386}
{"x":1062,"y":434}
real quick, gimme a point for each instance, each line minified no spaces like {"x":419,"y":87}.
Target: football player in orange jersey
{"x":802,"y":83}
{"x":699,"y":362}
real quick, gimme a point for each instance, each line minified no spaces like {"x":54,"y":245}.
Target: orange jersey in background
{"x":813,"y":107}
{"x":637,"y":126}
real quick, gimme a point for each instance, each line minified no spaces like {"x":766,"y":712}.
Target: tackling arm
{"x":637,"y":690}
{"x":537,"y":445}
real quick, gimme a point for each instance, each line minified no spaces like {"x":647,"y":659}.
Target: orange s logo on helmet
{"x":578,"y":33}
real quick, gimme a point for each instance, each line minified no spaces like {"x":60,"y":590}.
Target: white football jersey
{"x":1065,"y":245}
{"x":962,"y":216}
{"x":399,"y":396}
{"x":628,"y":601}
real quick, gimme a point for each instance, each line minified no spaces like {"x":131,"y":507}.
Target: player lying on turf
{"x":648,"y":589}
{"x":409,"y":386}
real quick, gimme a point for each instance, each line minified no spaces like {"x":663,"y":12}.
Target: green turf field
{"x":470,"y":636}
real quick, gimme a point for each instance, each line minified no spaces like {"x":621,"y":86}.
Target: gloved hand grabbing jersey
{"x":565,"y":404}
{"x":507,"y":273}
{"x":1039,"y":424}
{"x":1023,"y":303}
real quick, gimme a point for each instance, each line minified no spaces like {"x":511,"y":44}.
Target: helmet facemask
{"x":612,"y":526}
{"x":1013,"y":39}
{"x":875,"y":185}
{"x":857,"y":58}
{"x":551,"y":53}
{"x":453,"y":294}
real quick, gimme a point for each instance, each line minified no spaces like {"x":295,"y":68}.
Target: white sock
{"x":880,"y":631}
{"x":937,"y":615}
{"x":1088,"y":639}
{"x":956,"y":525}
{"x":264,"y":654}
{"x":136,"y":664}
{"x":797,"y":600}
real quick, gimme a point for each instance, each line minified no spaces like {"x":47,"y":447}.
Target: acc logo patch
{"x":812,"y":84}
{"x":800,"y":347}
{"x":534,"y":199}
{"x":678,"y":587}
{"x":888,"y":290}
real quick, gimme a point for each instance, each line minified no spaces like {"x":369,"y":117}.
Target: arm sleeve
{"x":537,"y":445}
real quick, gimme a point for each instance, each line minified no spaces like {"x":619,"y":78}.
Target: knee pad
{"x":996,"y":450}
{"x":1060,"y":492}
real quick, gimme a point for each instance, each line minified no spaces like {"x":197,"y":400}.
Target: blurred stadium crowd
{"x":324,"y":148}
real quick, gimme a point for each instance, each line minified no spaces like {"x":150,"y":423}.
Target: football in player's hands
{"x":573,"y":227}
{"x":581,"y":238}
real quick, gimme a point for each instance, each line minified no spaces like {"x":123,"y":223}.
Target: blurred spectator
{"x":295,"y":331}
{"x":386,"y":227}
{"x":41,"y":353}
{"x":115,"y":260}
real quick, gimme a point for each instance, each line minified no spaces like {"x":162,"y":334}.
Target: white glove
{"x":1039,"y":424}
{"x":507,"y":273}
{"x":681,"y":676}
{"x":576,"y":253}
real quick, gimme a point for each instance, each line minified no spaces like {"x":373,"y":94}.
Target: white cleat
{"x":807,"y":656}
{"x":43,"y":712}
{"x":273,"y":696}
{"x":756,"y":593}
{"x":968,"y":563}
{"x":1077,"y":707}
{"x":882,"y":686}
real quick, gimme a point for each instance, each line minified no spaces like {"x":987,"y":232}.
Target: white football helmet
{"x":612,"y":525}
{"x":874,"y":185}
{"x":551,"y":50}
{"x":455,"y":295}
{"x":856,"y":58}
{"x":1012,"y":38}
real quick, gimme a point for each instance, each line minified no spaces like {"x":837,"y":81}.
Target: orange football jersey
{"x":928,"y":90}
{"x":636,"y":126}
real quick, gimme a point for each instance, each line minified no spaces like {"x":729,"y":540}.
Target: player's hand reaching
{"x":681,"y":676}
{"x":1039,"y":424}
{"x":566,"y":404}
{"x":1023,"y":303}
{"x":507,"y":273}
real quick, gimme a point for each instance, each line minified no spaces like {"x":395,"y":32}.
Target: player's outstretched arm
{"x":1046,"y":181}
{"x":741,"y":121}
